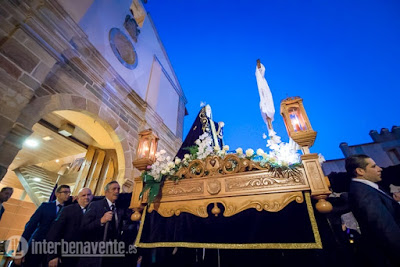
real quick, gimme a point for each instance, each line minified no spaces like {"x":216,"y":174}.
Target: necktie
{"x":59,"y":207}
{"x":114,"y":218}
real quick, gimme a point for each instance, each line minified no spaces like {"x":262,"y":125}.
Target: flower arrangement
{"x":280,"y":158}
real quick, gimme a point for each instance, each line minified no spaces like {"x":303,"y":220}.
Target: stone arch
{"x":41,"y":106}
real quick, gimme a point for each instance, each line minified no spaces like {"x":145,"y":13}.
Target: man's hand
{"x":106,"y":217}
{"x":54,"y":262}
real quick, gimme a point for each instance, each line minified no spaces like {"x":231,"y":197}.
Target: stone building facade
{"x":385,"y":150}
{"x":76,"y":60}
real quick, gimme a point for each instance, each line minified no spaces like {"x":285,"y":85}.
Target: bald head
{"x":84,"y":197}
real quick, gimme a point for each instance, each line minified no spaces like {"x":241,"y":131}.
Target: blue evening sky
{"x":341,"y":56}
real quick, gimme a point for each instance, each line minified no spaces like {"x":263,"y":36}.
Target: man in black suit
{"x":103,"y":223}
{"x":67,"y":227}
{"x":5,"y":195}
{"x":39,"y":224}
{"x":376,"y":212}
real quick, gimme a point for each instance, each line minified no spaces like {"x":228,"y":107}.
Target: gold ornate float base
{"x":238,"y":184}
{"x":276,"y":203}
{"x":234,"y":205}
{"x":236,"y":192}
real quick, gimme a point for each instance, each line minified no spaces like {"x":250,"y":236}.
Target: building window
{"x":123,"y":48}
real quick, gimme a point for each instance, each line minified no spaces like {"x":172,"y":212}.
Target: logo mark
{"x":11,"y":247}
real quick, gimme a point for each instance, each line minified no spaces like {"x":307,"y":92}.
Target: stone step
{"x":42,"y":181}
{"x":43,"y":187}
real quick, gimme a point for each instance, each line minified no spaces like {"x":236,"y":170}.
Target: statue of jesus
{"x":266,"y":102}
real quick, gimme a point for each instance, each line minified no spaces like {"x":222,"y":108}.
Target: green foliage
{"x":192,"y":150}
{"x":150,"y":185}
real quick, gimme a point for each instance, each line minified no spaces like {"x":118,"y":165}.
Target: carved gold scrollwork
{"x":231,"y":164}
{"x":195,"y":207}
{"x":260,"y":181}
{"x":212,"y":165}
{"x":181,"y":191}
{"x":269,"y":202}
{"x":249,"y":165}
{"x":182,"y":173}
{"x":196,"y":168}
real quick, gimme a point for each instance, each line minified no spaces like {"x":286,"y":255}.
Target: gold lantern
{"x":146,"y":151}
{"x":296,"y":121}
{"x":299,"y":129}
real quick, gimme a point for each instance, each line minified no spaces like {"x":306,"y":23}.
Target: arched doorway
{"x":68,"y":147}
{"x":104,"y":160}
{"x":94,"y":119}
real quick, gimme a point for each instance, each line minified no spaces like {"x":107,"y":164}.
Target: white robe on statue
{"x":266,"y":102}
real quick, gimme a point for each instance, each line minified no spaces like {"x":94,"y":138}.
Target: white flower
{"x":221,"y":153}
{"x":264,"y":136}
{"x":272,"y":145}
{"x":239,"y":150}
{"x":249,"y":152}
{"x":168,"y":158}
{"x":216,"y":148}
{"x":283,"y":153}
{"x":163,"y":172}
{"x":226,"y":147}
{"x":177,"y":161}
{"x":260,"y":152}
{"x":162,"y":152}
{"x":171,"y":164}
{"x":186,"y":156}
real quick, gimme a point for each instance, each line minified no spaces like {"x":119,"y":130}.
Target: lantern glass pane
{"x":144,"y":149}
{"x":152,"y":150}
{"x":297,"y":120}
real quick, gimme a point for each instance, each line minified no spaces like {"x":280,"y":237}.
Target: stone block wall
{"x":47,"y":64}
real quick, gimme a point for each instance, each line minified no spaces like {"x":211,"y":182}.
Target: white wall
{"x":97,"y":22}
{"x":167,"y":105}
